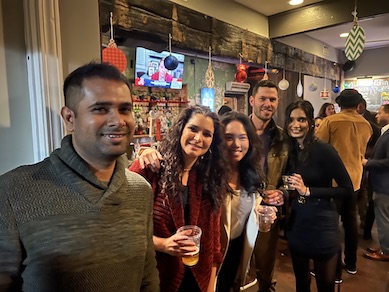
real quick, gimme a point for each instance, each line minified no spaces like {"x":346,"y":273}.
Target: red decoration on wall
{"x":111,"y":54}
{"x":241,"y":74}
{"x":115,"y":57}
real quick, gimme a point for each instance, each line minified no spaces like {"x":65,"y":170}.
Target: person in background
{"x":239,"y":226}
{"x":223,"y":109}
{"x":327,"y":109}
{"x":162,"y":74}
{"x":79,"y":220}
{"x":317,"y":121}
{"x":187,"y":191}
{"x":378,"y":168}
{"x":264,"y":102}
{"x":312,"y":227}
{"x":365,"y":193}
{"x":338,"y":130}
{"x":362,"y":110}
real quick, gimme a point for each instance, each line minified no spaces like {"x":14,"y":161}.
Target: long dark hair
{"x":322,"y":111}
{"x":249,"y":167}
{"x":211,"y":168}
{"x":297,"y":155}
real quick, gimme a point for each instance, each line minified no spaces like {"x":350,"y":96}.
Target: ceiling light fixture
{"x":295,"y":2}
{"x":344,"y":35}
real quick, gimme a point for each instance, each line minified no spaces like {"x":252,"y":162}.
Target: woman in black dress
{"x":312,"y":229}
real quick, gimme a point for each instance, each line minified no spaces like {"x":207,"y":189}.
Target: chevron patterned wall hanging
{"x":355,"y":42}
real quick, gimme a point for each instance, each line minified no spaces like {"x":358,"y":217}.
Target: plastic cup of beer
{"x":195,"y":236}
{"x":286,"y":184}
{"x":265,"y":218}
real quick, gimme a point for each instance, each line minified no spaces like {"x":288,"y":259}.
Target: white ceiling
{"x":270,"y":7}
{"x":376,"y":28}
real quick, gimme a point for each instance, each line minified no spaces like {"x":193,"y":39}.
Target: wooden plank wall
{"x":195,"y":32}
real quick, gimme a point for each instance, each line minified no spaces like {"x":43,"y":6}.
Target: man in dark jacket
{"x":378,"y":167}
{"x":264,"y":101}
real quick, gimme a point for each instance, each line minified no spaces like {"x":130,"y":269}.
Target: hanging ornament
{"x":240,"y":75}
{"x":299,"y":89}
{"x":355,"y":42}
{"x":170,"y":61}
{"x":283,"y":84}
{"x":209,"y":74}
{"x":336,"y":89}
{"x":265,"y":76}
{"x":112,"y":54}
{"x":313,"y":86}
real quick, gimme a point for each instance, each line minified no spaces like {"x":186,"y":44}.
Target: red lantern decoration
{"x":241,"y":74}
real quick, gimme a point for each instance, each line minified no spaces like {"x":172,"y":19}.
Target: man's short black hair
{"x":73,"y":84}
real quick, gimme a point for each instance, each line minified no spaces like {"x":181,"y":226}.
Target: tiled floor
{"x":372,"y":276}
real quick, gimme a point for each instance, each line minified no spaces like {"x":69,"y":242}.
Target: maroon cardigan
{"x":169,"y":216}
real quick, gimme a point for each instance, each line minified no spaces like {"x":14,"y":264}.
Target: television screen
{"x":150,"y":69}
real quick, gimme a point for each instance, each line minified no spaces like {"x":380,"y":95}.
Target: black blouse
{"x":313,"y":226}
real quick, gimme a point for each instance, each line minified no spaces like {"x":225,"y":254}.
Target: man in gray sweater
{"x":79,"y":220}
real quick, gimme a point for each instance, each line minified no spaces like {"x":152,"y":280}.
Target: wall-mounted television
{"x":150,"y":69}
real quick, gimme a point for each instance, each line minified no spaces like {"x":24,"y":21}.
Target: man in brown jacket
{"x":348,"y":132}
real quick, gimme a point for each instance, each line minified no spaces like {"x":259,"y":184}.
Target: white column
{"x":44,"y":65}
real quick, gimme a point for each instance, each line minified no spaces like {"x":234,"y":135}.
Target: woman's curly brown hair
{"x":212,"y":168}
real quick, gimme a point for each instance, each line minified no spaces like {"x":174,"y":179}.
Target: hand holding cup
{"x":273,"y":197}
{"x":191,"y":245}
{"x":266,"y":216}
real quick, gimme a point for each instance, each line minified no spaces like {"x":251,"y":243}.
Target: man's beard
{"x":263,"y":117}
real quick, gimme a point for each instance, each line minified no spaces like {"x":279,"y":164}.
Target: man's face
{"x":264,"y":103}
{"x":102,"y":124}
{"x":382,"y":117}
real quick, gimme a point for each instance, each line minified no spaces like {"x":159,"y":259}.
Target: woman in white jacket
{"x":239,"y":226}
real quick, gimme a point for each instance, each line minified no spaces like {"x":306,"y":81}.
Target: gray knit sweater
{"x":61,"y":229}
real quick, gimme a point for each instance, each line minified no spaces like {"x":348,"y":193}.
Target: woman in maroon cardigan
{"x":187,"y":192}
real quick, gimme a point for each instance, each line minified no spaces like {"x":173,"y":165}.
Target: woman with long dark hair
{"x":312,"y":228}
{"x":187,"y":191}
{"x":246,"y":181}
{"x":327,"y":109}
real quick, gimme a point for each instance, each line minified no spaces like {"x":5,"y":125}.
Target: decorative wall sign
{"x":355,"y":42}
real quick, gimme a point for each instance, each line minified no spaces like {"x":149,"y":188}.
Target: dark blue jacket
{"x":378,"y":165}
